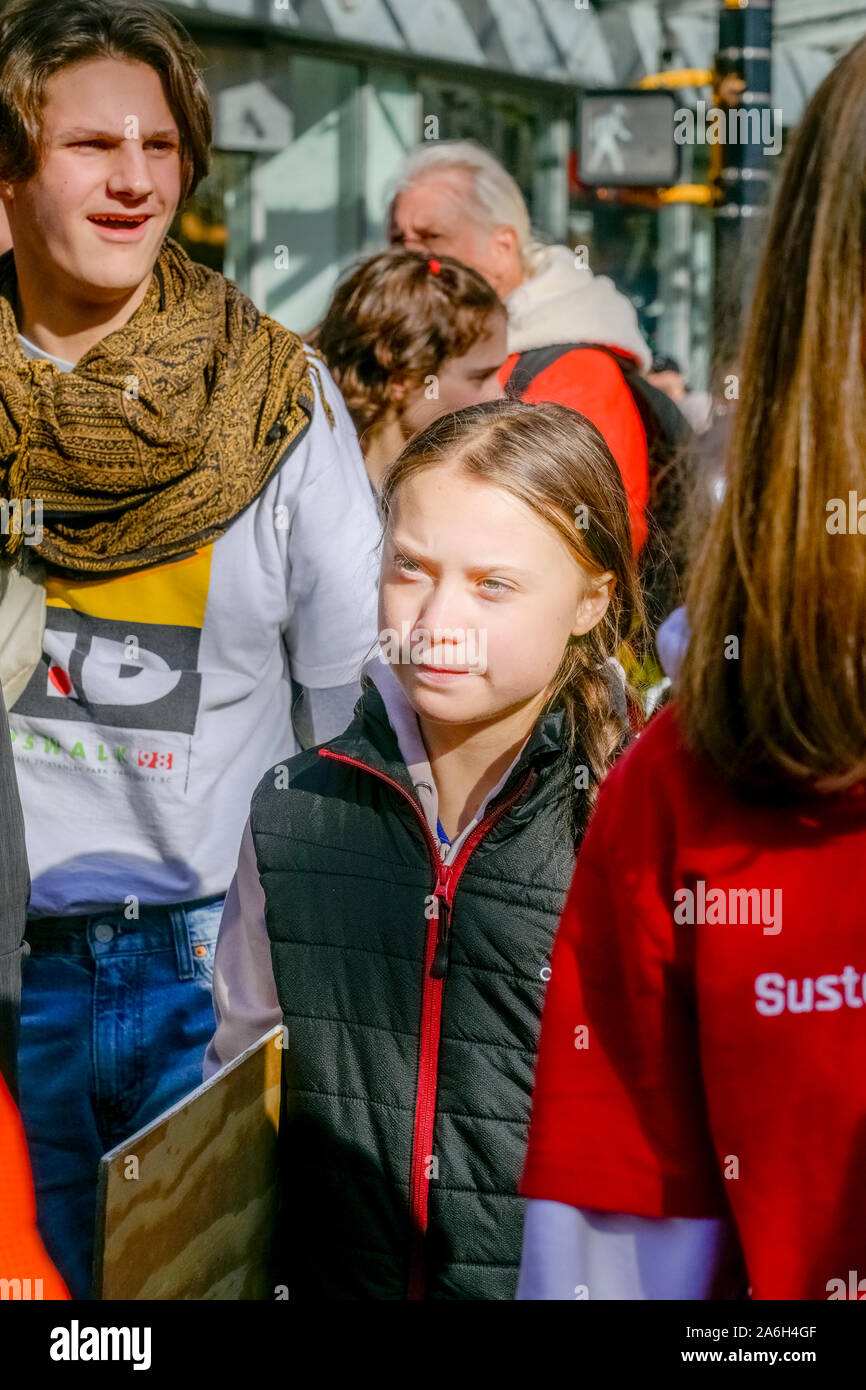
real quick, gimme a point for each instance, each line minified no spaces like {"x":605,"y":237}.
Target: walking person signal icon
{"x":626,"y":139}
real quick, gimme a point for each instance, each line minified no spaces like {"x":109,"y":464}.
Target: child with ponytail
{"x":398,"y":888}
{"x":701,"y":1080}
{"x":408,"y":338}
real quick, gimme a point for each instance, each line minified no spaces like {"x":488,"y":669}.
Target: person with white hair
{"x":572,"y":336}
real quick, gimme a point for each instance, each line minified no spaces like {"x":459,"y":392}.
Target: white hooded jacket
{"x":562,"y":302}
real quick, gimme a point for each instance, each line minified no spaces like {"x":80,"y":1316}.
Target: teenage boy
{"x":200,"y":505}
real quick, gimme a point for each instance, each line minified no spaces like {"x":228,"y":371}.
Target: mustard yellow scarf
{"x":166,"y":429}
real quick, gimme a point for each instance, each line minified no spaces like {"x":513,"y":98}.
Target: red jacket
{"x":591,"y":383}
{"x":22,"y":1254}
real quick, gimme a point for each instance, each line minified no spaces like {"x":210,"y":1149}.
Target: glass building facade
{"x":306,"y":151}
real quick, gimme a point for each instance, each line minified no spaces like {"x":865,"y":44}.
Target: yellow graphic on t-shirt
{"x":175,"y":593}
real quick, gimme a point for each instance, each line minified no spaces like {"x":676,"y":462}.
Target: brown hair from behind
{"x":557,"y":463}
{"x":393,"y":316}
{"x":38,"y":39}
{"x":787,"y":704}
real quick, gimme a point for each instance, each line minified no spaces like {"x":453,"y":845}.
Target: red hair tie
{"x":434,"y":267}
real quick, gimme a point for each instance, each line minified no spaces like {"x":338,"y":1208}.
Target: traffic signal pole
{"x":753,"y":134}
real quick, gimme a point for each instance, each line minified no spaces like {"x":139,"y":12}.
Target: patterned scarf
{"x":165,"y":430}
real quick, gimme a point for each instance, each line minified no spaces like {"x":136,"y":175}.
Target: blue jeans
{"x":115,"y":1019}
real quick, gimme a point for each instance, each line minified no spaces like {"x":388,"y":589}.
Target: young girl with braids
{"x":398,"y":888}
{"x":408,"y":338}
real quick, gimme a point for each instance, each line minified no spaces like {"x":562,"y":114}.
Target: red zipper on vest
{"x":436,"y":955}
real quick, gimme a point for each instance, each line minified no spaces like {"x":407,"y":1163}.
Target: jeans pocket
{"x":203,"y":924}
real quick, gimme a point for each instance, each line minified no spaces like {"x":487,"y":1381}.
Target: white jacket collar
{"x":404,"y":722}
{"x":562,"y":302}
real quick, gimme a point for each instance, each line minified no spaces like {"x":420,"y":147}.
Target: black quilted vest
{"x":412,"y":993}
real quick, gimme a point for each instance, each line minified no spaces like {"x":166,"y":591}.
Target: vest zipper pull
{"x":439,"y":967}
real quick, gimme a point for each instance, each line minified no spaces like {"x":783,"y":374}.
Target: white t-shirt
{"x":164,"y":695}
